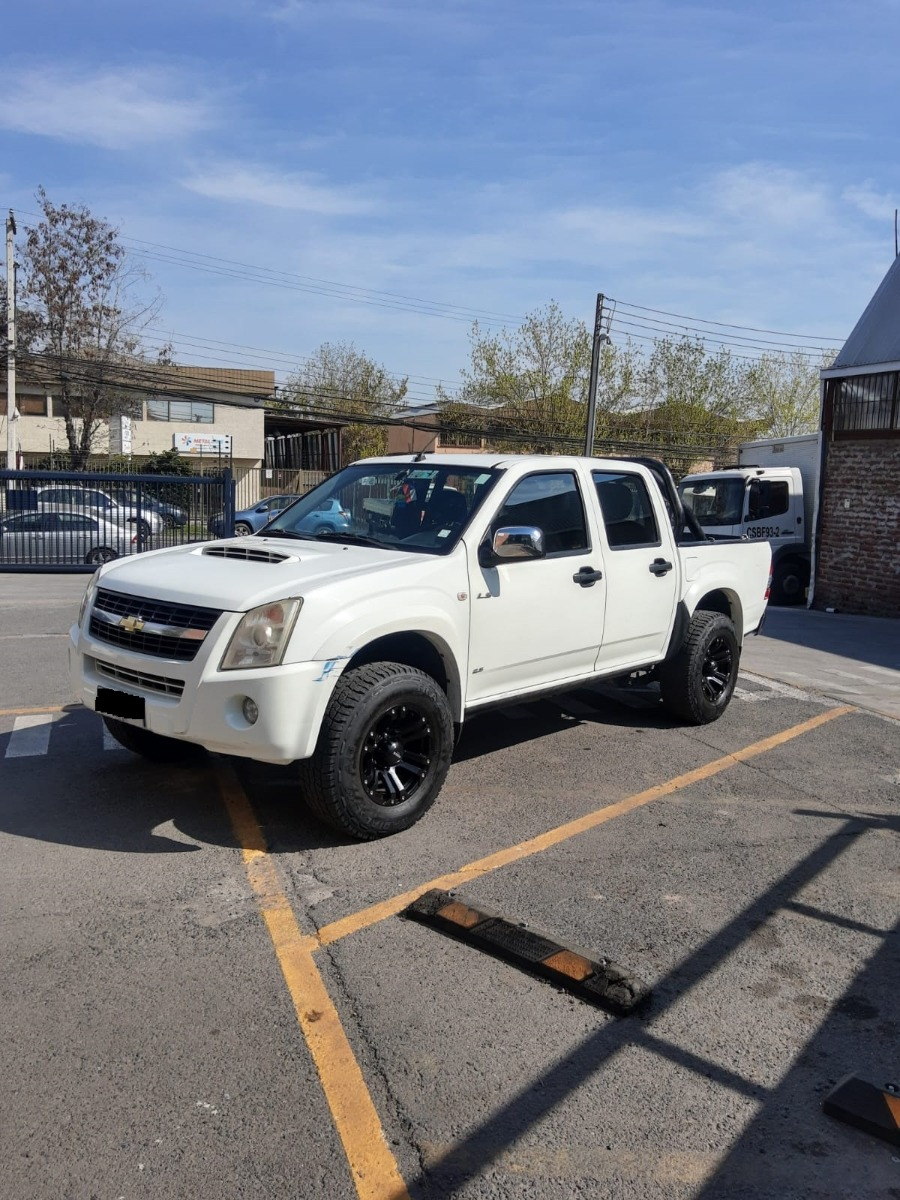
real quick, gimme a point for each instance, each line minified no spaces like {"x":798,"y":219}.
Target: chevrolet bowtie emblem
{"x":131,"y":624}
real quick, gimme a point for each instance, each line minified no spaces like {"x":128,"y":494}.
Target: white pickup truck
{"x":447,"y":585}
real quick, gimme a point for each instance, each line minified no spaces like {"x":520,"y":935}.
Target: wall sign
{"x":203,"y":443}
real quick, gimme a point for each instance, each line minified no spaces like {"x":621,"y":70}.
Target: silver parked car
{"x":92,"y":500}
{"x":63,"y":536}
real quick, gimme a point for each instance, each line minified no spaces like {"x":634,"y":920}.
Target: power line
{"x":141,"y":380}
{"x":723,"y":324}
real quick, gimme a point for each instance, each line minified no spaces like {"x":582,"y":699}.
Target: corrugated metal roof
{"x":876,"y":336}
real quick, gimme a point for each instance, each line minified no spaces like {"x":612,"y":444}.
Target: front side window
{"x":627,"y":512}
{"x":420,"y":507}
{"x":549,"y":501}
{"x":767,"y":498}
{"x":27,"y":523}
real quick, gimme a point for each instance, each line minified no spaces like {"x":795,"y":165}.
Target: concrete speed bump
{"x":594,"y":979}
{"x":865,"y":1105}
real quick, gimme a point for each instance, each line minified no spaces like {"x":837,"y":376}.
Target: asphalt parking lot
{"x":207,"y":994}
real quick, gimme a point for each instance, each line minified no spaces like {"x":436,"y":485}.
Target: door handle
{"x":660,"y":566}
{"x":587,"y":576}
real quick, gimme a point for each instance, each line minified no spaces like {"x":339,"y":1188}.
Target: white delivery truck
{"x":457,"y":583}
{"x":769,"y":495}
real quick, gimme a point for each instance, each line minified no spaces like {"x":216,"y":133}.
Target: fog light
{"x":250,"y":711}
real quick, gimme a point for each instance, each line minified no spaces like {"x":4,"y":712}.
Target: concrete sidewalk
{"x":854,"y":659}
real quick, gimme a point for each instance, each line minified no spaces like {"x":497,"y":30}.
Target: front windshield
{"x":409,"y":506}
{"x":714,"y":501}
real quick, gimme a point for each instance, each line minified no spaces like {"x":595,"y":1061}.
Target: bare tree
{"x":84,"y":319}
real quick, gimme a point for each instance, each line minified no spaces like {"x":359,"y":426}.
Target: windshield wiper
{"x":288,"y":533}
{"x":355,"y":539}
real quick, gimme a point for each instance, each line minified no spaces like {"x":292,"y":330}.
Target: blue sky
{"x":728,"y":162}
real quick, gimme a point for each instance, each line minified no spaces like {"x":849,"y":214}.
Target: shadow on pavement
{"x":82,"y":795}
{"x":822,"y":1163}
{"x":873,"y":640}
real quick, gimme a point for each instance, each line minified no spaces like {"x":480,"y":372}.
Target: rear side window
{"x":627,"y":512}
{"x":550,"y":501}
{"x":71,"y":522}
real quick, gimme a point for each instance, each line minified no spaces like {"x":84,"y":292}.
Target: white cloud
{"x":239,"y":183}
{"x":115,"y":109}
{"x":878,"y":205}
{"x":764,"y":196}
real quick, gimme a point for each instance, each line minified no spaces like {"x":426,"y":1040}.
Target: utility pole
{"x":12,"y":415}
{"x":599,"y":338}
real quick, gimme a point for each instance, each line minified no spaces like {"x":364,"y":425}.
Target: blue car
{"x":327,"y":518}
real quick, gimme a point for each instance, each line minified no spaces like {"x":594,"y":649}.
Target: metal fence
{"x":262,"y":483}
{"x":69,"y":521}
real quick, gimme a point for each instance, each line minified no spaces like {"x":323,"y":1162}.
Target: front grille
{"x":181,"y":627}
{"x":140,"y":679}
{"x":247,"y":553}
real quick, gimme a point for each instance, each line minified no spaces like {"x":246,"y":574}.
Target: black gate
{"x":67,"y":521}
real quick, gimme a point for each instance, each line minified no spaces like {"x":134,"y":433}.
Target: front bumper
{"x":195,"y":702}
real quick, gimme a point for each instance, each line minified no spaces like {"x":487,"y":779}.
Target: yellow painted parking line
{"x":501,"y":858}
{"x":27,"y":712}
{"x":373,"y":1167}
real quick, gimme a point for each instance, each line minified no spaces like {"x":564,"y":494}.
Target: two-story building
{"x":212,"y":414}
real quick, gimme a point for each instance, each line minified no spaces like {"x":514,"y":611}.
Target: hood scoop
{"x":248,"y":553}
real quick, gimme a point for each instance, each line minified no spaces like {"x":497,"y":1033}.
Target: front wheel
{"x":383,"y":751}
{"x":100,"y":555}
{"x":152,"y":746}
{"x":698,"y":681}
{"x":242,"y":529}
{"x":789,"y":581}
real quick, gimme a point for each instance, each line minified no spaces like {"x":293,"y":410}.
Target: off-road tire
{"x":365,"y":701}
{"x":697,"y":683}
{"x":153,"y":746}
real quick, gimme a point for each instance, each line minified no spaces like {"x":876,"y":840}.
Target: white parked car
{"x":63,"y":536}
{"x":148,"y":520}
{"x":456,"y":584}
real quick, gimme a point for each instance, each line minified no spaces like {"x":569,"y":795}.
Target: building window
{"x":32,"y":406}
{"x":189,"y":412}
{"x":864,"y":405}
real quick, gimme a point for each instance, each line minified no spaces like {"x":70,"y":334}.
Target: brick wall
{"x":858,"y":565}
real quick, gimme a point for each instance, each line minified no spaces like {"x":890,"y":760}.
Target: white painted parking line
{"x":783,"y":689}
{"x":30,"y":735}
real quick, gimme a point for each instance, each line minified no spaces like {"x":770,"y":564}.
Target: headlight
{"x":261,"y":638}
{"x":88,"y":598}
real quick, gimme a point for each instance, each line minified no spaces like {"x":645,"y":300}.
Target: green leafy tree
{"x":340,"y":380}
{"x":783,"y":393}
{"x":692,"y":402}
{"x":82,"y":318}
{"x":526,"y":389}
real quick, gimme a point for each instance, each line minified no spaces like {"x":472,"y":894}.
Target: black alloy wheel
{"x":396,"y":755}
{"x":718,"y":668}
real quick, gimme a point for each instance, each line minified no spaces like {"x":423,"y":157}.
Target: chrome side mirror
{"x":518,"y":541}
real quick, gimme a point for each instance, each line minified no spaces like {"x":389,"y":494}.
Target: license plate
{"x":119,"y":704}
